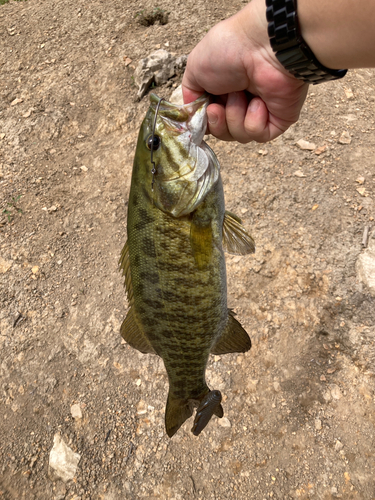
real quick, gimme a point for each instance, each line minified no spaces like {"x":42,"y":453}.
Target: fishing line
{"x":153,"y":171}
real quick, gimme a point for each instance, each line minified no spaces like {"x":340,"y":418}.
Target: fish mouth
{"x":190,"y":117}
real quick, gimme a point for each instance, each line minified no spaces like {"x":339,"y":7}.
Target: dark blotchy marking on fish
{"x":174,"y":261}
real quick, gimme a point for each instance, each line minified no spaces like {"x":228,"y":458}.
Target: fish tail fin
{"x":176,"y":412}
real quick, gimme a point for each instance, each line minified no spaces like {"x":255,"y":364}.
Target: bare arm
{"x":257,"y":98}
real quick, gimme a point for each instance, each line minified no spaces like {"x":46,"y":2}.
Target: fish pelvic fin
{"x":236,"y":239}
{"x":134,"y":336}
{"x":176,"y":412}
{"x":233,"y":339}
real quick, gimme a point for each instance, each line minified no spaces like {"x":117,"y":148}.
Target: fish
{"x":173,"y":260}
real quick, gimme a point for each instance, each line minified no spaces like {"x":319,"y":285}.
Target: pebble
{"x":63,"y":462}
{"x":338,"y":446}
{"x":335,"y":392}
{"x":225,"y":422}
{"x":4,"y":265}
{"x":345,"y":138}
{"x":318,"y":424}
{"x":305,"y":145}
{"x":76,"y":411}
{"x":365,"y":267}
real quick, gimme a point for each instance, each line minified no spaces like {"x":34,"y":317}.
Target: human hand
{"x":256,"y":99}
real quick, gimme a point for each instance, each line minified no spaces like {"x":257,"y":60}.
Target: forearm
{"x":340,"y":33}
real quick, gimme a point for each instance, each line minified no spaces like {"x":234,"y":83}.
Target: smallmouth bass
{"x":173,"y":260}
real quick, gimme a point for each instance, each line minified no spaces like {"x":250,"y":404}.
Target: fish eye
{"x":153,"y":141}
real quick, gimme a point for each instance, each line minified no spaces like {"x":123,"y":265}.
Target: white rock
{"x":310,"y":146}
{"x":335,"y":392}
{"x":338,"y":445}
{"x":318,"y":424}
{"x":176,"y":96}
{"x":5,"y":265}
{"x":225,"y":422}
{"x":76,"y":411}
{"x":366,"y":266}
{"x":345,"y":138}
{"x":63,"y":461}
{"x":158,"y":67}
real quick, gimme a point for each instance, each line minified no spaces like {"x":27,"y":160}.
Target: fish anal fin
{"x":236,"y":239}
{"x":124,"y":264}
{"x":176,"y":412}
{"x":233,"y":339}
{"x":201,"y":241}
{"x":134,"y":336}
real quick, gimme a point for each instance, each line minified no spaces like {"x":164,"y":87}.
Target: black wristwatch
{"x":289,"y":46}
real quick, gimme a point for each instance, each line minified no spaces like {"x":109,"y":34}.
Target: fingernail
{"x":212,"y":119}
{"x":254,"y":105}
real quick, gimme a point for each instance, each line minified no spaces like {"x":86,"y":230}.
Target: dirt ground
{"x":300,"y":405}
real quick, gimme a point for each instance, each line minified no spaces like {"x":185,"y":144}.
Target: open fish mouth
{"x":185,"y":119}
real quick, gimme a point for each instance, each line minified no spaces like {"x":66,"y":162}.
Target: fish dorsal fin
{"x":235,"y":238}
{"x":201,"y":240}
{"x":124,"y":264}
{"x":134,"y":336}
{"x":233,"y":339}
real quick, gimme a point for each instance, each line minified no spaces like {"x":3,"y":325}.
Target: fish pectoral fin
{"x":201,"y":241}
{"x":176,"y":412}
{"x":133,"y":335}
{"x":236,"y":240}
{"x":124,"y":264}
{"x":233,"y":339}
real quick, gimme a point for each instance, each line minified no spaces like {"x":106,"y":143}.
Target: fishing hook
{"x":153,"y":171}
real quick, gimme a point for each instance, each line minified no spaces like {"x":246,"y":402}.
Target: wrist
{"x":290,"y":47}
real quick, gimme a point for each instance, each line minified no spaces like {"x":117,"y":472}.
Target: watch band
{"x":289,"y":46}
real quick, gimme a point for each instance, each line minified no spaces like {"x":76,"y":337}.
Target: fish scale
{"x":173,"y":260}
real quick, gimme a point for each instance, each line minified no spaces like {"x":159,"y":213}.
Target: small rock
{"x":76,"y":411}
{"x":16,"y":101}
{"x":302,"y":144}
{"x":335,"y":392}
{"x":2,"y":136}
{"x":360,"y":180}
{"x":321,"y":150}
{"x":141,"y":408}
{"x":35,"y":269}
{"x":52,"y":209}
{"x":63,"y":462}
{"x":84,"y":169}
{"x":361,"y":191}
{"x":4,"y":265}
{"x":158,"y":67}
{"x":338,"y":445}
{"x":225,"y":422}
{"x":276,"y":386}
{"x":349,"y":93}
{"x":127,"y":61}
{"x":345,"y":138}
{"x":318,"y":424}
{"x":263,"y":152}
{"x":365,"y":266}
{"x":176,"y":96}
{"x":299,"y":173}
